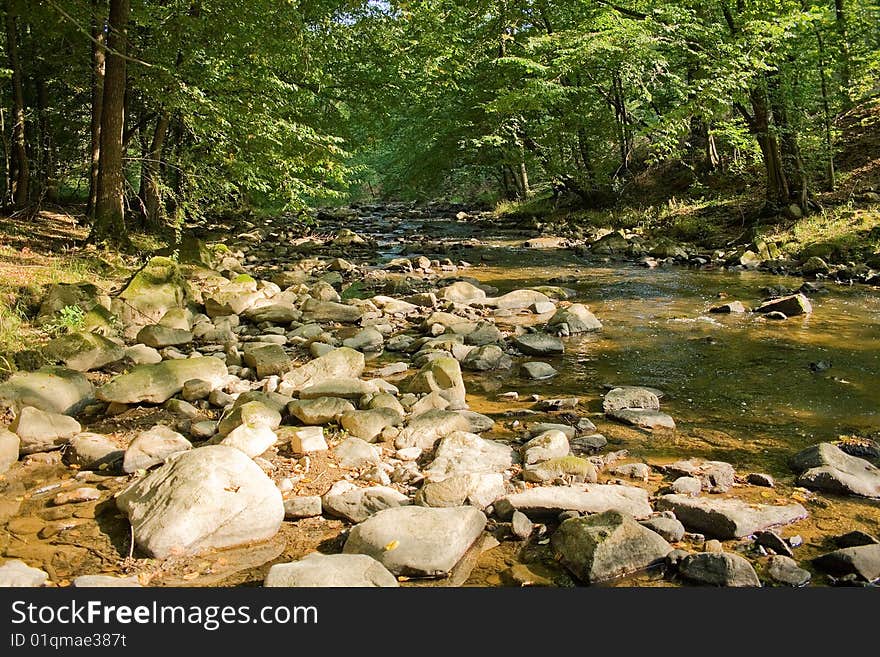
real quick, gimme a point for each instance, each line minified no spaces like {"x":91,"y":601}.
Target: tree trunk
{"x":789,"y":148}
{"x":98,"y":57}
{"x":150,"y":191}
{"x":759,"y":124}
{"x":109,"y":225}
{"x":830,"y":175}
{"x":7,"y":165}
{"x":20,"y":178}
{"x":45,"y":165}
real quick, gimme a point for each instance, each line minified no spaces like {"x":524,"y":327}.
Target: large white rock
{"x":549,"y":445}
{"x":427,"y":428}
{"x":331,"y":570}
{"x":466,"y":453}
{"x":206,"y":498}
{"x":416,"y":540}
{"x":252,"y":439}
{"x":339,"y":363}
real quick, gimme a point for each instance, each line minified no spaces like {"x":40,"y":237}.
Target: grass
{"x":34,"y":254}
{"x":840,"y":233}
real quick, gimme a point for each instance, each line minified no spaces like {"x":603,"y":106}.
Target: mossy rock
{"x":61,"y":295}
{"x":244,"y":278}
{"x":101,"y":321}
{"x":156,"y":288}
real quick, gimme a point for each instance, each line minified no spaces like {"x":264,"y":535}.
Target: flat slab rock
{"x":547,"y":501}
{"x":331,"y":570}
{"x":728,"y":518}
{"x":827,"y":468}
{"x":863,"y":561}
{"x":644,"y":418}
{"x":417,"y":541}
{"x":158,"y":383}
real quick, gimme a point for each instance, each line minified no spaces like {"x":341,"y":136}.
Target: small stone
{"x":521,"y":525}
{"x":772,"y":541}
{"x":92,"y":451}
{"x":538,"y":371}
{"x":331,"y":570}
{"x":305,"y":506}
{"x":719,"y":569}
{"x":152,"y":447}
{"x":77,"y":495}
{"x":759,"y":479}
{"x":106,"y":581}
{"x":196,"y":389}
{"x":353,"y":453}
{"x":203,"y":430}
{"x":41,"y":431}
{"x":307,"y":440}
{"x":855,"y":539}
{"x":713,"y":545}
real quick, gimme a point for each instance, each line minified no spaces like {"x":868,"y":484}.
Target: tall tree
{"x":20,"y":179}
{"x":97,"y":96}
{"x":109,"y":222}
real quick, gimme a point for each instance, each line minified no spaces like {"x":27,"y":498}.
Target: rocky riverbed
{"x":419,"y":396}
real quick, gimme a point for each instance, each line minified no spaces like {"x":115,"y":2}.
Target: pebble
{"x":77,"y":495}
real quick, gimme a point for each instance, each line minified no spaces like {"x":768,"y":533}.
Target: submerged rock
{"x":539,"y":344}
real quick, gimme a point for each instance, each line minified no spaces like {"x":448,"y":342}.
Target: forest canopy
{"x":152,"y":113}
